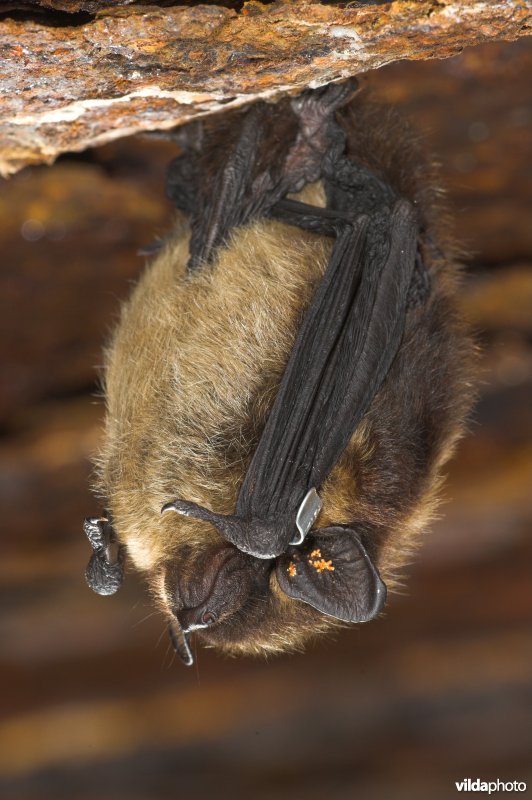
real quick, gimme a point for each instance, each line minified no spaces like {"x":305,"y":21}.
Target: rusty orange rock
{"x":125,"y":68}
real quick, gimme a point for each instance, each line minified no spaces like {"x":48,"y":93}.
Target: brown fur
{"x":193,"y":369}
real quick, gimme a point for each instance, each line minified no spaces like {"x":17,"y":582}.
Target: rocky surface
{"x":70,"y":82}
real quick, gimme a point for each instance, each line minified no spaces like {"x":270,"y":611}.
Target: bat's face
{"x":233,"y":601}
{"x":193,"y":380}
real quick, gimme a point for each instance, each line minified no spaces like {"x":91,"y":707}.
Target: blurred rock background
{"x":93,"y":704}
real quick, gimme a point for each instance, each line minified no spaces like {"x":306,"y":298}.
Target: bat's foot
{"x":105,"y":570}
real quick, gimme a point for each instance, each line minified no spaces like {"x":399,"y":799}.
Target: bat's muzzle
{"x":214,"y":585}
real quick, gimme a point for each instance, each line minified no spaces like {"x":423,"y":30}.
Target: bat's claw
{"x":180,"y":643}
{"x":188,"y":509}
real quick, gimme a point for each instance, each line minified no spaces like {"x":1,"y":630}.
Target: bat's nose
{"x":192,"y":619}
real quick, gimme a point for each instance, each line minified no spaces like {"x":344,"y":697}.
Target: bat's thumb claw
{"x":188,"y":509}
{"x":180,"y":506}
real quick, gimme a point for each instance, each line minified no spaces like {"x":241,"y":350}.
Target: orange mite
{"x":319,"y":563}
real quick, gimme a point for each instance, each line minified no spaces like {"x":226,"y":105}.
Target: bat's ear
{"x":333,"y":573}
{"x":105,"y":570}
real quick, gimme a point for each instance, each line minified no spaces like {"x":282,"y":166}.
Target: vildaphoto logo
{"x":478,"y":785}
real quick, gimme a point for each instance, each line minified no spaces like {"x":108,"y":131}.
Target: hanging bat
{"x":287,"y":379}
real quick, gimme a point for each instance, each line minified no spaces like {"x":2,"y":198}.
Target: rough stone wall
{"x":107,"y":70}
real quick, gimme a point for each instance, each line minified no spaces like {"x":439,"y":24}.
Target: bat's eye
{"x":191,"y":619}
{"x":208,"y":618}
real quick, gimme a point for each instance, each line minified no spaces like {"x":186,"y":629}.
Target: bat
{"x":287,"y":379}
